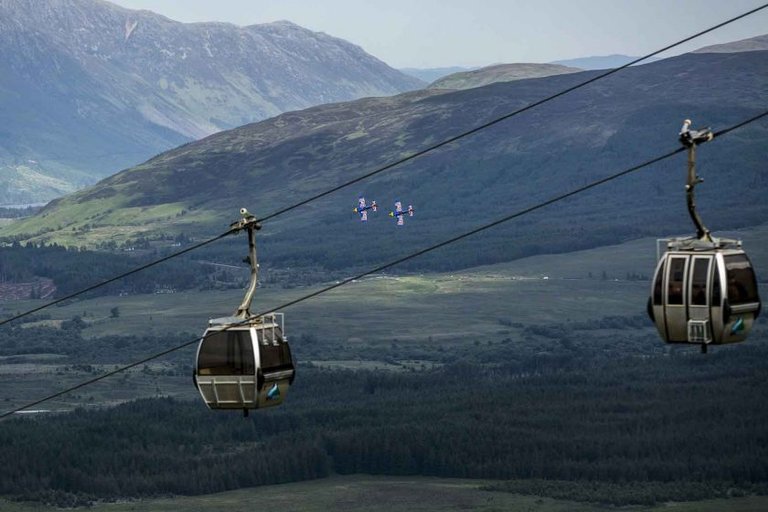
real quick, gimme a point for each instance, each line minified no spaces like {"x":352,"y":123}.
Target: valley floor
{"x":387,"y":494}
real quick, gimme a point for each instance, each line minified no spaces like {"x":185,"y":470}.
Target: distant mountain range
{"x":429,"y":75}
{"x":759,"y":43}
{"x":88,"y":88}
{"x":499,"y":73}
{"x":599,"y":129}
{"x":601,"y":62}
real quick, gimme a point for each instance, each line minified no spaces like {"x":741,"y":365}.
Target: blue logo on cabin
{"x":738,"y":326}
{"x":274,"y":392}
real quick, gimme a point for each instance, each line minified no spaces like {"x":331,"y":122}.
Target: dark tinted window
{"x":675,"y":287}
{"x":275,"y":357}
{"x":699,"y":282}
{"x":226,"y":353}
{"x":740,"y":278}
{"x":269,"y":334}
{"x":716,"y":288}
{"x":657,"y":285}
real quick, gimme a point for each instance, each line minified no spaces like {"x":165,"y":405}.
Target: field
{"x":387,"y":494}
{"x":555,"y":288}
{"x":612,"y":280}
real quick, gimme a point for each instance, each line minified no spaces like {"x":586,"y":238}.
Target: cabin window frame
{"x":658,"y":284}
{"x":679,"y":293}
{"x":699,"y":297}
{"x":740,"y":283}
{"x":227,"y":352}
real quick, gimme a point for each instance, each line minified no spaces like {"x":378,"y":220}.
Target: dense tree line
{"x":73,"y":269}
{"x":663,"y":421}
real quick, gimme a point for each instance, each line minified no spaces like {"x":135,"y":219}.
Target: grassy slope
{"x":268,"y":165}
{"x":499,"y":73}
{"x":386,"y":494}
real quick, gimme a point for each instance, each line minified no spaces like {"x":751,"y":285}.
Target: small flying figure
{"x":362,"y":209}
{"x":399,"y":214}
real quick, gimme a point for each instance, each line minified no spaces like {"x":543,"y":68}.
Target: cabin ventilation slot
{"x":698,"y":331}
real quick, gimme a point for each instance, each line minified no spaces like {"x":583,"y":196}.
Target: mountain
{"x":602,"y":128}
{"x":601,"y":62}
{"x":759,"y":43}
{"x":429,"y":75}
{"x":499,"y":73}
{"x":88,"y":88}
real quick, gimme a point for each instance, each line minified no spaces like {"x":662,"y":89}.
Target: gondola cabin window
{"x":716,"y":290}
{"x":699,"y":282}
{"x":676,"y":276}
{"x":742,"y":286}
{"x":227,"y":353}
{"x":658,"y":286}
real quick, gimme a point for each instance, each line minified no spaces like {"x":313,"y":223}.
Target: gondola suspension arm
{"x":690,"y":138}
{"x":249,"y":223}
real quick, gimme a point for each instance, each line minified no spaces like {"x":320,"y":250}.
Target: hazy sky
{"x":436,"y":33}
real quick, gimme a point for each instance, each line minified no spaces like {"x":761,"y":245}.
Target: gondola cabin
{"x":705,"y":295}
{"x":244,"y":365}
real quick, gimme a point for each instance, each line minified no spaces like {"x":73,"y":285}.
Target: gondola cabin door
{"x":699,"y":290}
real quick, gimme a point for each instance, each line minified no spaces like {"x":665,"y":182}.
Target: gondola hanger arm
{"x":248,"y":222}
{"x":690,"y":138}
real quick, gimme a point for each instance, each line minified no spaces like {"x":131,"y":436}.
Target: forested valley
{"x":671,"y":425}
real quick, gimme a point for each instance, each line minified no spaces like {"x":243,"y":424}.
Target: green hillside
{"x":630,"y":117}
{"x":88,"y":88}
{"x":499,"y":73}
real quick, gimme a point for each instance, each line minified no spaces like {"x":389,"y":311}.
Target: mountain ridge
{"x":499,"y":73}
{"x":626,"y":119}
{"x":750,"y":44}
{"x":92,"y":87}
{"x":601,"y":61}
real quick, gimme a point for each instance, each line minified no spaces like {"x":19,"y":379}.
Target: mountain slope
{"x":498,"y":73}
{"x":601,"y":61}
{"x":87,"y":87}
{"x":608,"y":126}
{"x":752,"y":44}
{"x":429,"y":75}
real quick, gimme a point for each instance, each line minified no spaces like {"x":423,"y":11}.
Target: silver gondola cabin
{"x":704,"y":290}
{"x":244,"y":361}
